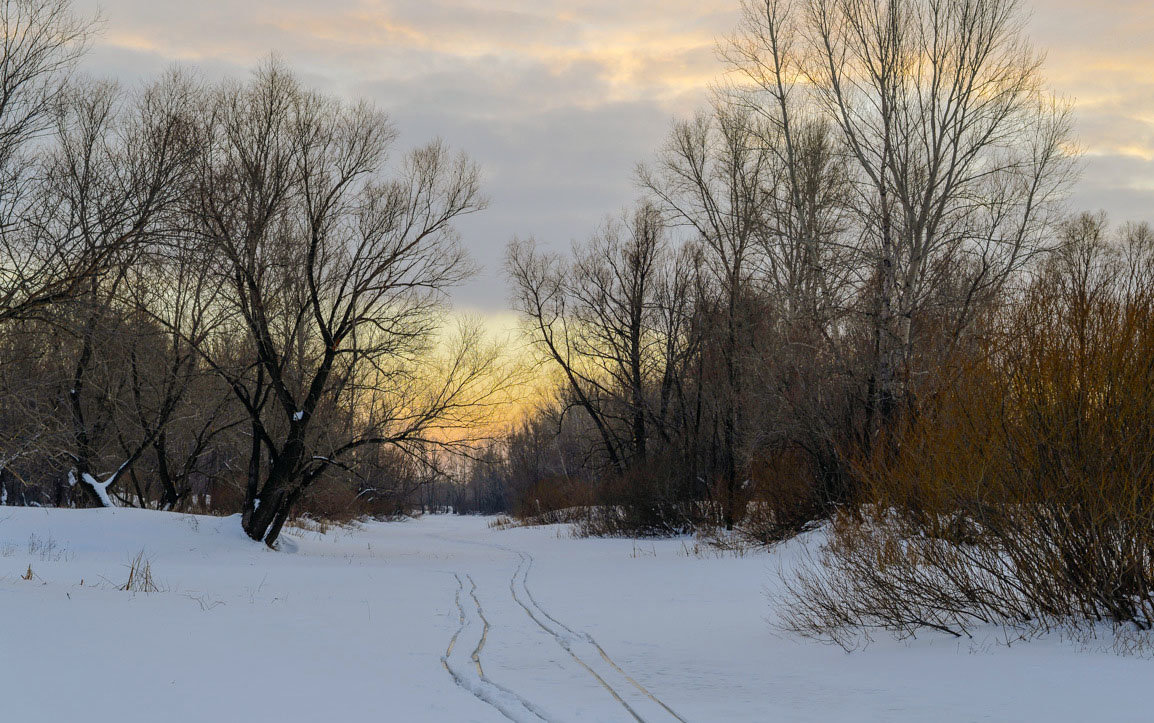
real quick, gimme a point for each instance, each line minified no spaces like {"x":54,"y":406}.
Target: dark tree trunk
{"x":169,"y":496}
{"x":91,"y":498}
{"x":252,"y":484}
{"x":282,"y":515}
{"x":259,"y":522}
{"x":279,"y":492}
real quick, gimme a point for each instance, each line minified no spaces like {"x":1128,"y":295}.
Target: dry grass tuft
{"x":140,"y":576}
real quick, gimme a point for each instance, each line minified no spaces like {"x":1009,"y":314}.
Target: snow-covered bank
{"x":445,"y":619}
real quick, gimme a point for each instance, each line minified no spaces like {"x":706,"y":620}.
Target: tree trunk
{"x":271,"y":504}
{"x":252,"y":483}
{"x":276,"y":499}
{"x":282,"y":515}
{"x":92,"y":498}
{"x":169,"y":497}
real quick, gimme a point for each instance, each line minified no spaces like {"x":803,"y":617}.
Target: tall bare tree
{"x":112,"y":182}
{"x":334,"y":267}
{"x":597,"y":320}
{"x":542,"y":295}
{"x":959,"y":152}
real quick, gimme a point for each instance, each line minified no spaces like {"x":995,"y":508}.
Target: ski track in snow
{"x":585,"y":650}
{"x":508,"y":703}
{"x":641,"y":704}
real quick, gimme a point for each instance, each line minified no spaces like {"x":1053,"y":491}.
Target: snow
{"x":446,"y":619}
{"x":100,"y":488}
{"x":298,"y":416}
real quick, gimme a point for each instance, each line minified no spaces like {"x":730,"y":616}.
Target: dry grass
{"x":47,"y":549}
{"x":504,"y":522}
{"x":140,"y":576}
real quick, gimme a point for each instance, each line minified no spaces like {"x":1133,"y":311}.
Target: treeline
{"x":226,"y":297}
{"x":809,"y":253}
{"x":851,"y":292}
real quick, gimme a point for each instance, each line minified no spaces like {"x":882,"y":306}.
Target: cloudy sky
{"x":558,"y":100}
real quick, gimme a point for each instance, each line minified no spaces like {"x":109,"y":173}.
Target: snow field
{"x":445,"y":619}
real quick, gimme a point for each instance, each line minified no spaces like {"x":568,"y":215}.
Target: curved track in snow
{"x":471,"y":675}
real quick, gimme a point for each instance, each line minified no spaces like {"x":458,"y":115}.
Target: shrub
{"x":647,"y":501}
{"x":784,"y":501}
{"x":552,"y":500}
{"x":1021,"y":494}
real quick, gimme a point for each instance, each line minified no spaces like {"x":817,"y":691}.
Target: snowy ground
{"x":445,"y":619}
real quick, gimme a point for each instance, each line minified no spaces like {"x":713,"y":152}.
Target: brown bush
{"x":1022,"y":493}
{"x":332,"y":500}
{"x":552,"y":500}
{"x":783,"y":498}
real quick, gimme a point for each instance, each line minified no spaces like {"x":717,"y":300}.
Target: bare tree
{"x":615,"y":281}
{"x":809,"y":259}
{"x":812,"y":266}
{"x":542,"y":296}
{"x":959,"y":153}
{"x":597,"y":320}
{"x":112,"y":182}
{"x":334,"y":274}
{"x":175,"y":404}
{"x":43,"y":40}
{"x":712,"y":179}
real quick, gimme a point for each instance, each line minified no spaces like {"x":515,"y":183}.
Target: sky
{"x":559,"y":100}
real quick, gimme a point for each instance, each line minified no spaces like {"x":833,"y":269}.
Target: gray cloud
{"x":558,"y":101}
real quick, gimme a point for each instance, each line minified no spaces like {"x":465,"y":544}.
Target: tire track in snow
{"x":571,"y":641}
{"x":508,"y":703}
